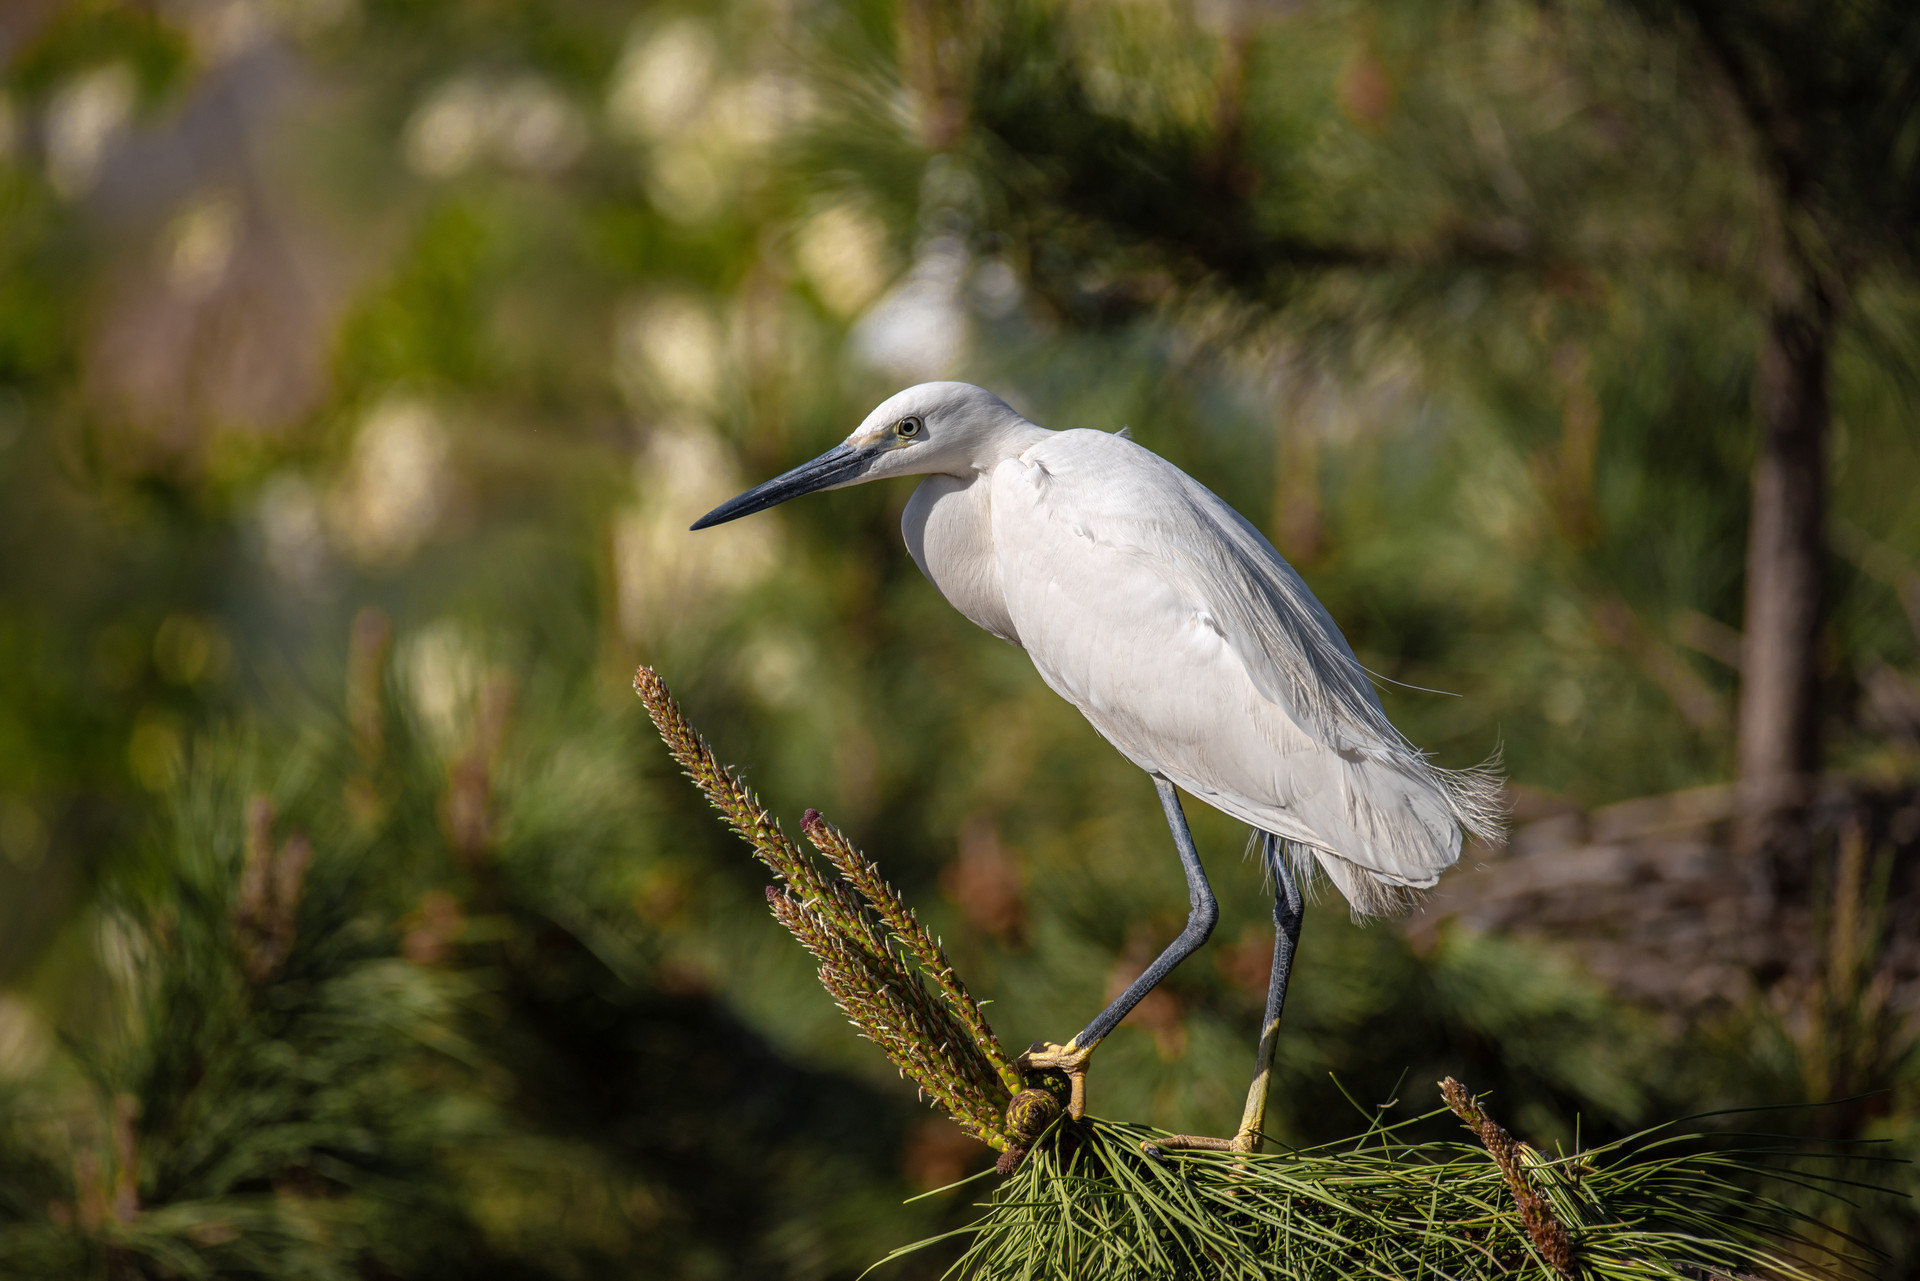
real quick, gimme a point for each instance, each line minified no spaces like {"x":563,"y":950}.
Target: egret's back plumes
{"x":1299,"y":744}
{"x":1296,"y":656}
{"x":1476,"y":800}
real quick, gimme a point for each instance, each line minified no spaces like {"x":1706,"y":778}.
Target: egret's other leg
{"x":1202,"y":912}
{"x":1288,"y":910}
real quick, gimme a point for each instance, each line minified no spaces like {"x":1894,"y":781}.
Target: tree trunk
{"x":1786,"y":550}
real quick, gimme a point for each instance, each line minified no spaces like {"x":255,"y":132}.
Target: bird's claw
{"x":1069,"y":1059}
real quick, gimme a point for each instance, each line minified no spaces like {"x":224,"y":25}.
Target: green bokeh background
{"x":449,"y":317}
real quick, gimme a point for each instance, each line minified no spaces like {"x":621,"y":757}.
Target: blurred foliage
{"x":402,"y":1020}
{"x":461,"y":312}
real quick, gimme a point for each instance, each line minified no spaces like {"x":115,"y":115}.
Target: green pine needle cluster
{"x":267,"y":1086}
{"x":1097,"y":1200}
{"x":876,"y":959}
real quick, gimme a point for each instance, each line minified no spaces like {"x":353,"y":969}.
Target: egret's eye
{"x":910,"y":427}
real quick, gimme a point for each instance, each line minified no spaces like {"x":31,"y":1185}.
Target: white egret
{"x":1190,"y":644}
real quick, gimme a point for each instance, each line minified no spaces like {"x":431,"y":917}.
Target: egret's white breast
{"x":949,"y":530}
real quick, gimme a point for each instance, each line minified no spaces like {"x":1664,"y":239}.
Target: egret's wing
{"x":1197,"y":650}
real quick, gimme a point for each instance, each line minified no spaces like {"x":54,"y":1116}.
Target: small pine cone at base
{"x":1028,"y":1116}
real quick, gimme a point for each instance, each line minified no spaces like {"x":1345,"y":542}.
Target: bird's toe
{"x":1041,"y":1055}
{"x":1070,"y":1059}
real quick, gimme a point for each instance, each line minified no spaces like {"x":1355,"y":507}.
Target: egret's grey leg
{"x":1289,"y":908}
{"x":1202,"y":913}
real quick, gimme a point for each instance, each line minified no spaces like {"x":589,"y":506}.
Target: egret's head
{"x":935,"y":427}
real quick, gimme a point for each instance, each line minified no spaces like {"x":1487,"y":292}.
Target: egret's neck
{"x":1004,"y":440}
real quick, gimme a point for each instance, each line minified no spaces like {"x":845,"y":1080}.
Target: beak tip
{"x":838,"y":466}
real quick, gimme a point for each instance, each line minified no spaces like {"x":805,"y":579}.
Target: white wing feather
{"x":1194,"y":648}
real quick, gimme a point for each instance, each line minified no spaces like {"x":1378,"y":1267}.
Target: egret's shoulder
{"x":1083,"y":445}
{"x":1090,"y":464}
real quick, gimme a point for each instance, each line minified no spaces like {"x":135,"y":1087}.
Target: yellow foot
{"x":1070,"y":1059}
{"x":1245,"y":1143}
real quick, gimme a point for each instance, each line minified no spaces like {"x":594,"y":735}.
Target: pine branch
{"x":1548,"y":1237}
{"x":867,"y":951}
{"x":864,"y":875}
{"x":747,"y":816}
{"x":888,"y":1005}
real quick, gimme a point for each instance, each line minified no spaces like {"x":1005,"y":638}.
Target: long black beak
{"x":838,"y":466}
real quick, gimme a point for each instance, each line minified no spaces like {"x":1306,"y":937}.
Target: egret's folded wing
{"x":1191,"y":644}
{"x":1110,"y":492}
